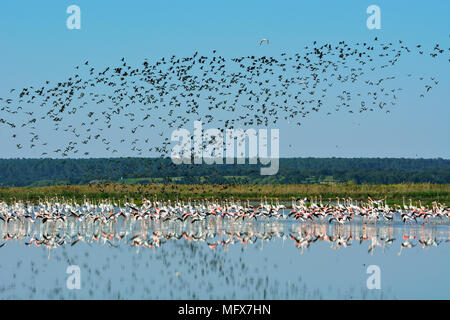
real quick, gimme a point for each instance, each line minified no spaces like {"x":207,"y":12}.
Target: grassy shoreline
{"x":426,"y":192}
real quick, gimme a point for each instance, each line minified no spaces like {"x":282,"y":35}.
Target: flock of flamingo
{"x":129,"y":227}
{"x":338,"y":211}
{"x":55,"y":222}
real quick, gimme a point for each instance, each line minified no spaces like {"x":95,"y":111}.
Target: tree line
{"x":45,"y":172}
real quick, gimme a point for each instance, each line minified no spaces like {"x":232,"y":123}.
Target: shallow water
{"x":221,"y":258}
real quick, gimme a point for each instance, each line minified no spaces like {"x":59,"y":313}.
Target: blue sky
{"x":36,"y":46}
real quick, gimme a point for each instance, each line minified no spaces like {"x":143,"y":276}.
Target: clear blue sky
{"x":36,"y":46}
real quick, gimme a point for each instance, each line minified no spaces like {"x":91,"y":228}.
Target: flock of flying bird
{"x":132,"y":108}
{"x":235,"y":93}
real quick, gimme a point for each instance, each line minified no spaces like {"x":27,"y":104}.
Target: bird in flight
{"x":263,"y":40}
{"x":252,"y":90}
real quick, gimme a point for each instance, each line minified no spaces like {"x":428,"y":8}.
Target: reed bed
{"x":426,"y":192}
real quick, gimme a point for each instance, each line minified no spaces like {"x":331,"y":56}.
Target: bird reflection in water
{"x":219,"y":232}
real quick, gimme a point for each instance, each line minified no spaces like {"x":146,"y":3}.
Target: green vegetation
{"x":47,"y":172}
{"x":394,"y":193}
{"x":136,"y":178}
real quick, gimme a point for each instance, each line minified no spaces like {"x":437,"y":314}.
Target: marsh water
{"x":220,"y":258}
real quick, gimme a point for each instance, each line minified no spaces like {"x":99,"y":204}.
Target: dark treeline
{"x":42,"y":172}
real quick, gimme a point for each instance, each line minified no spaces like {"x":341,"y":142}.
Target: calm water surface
{"x":224,"y":259}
